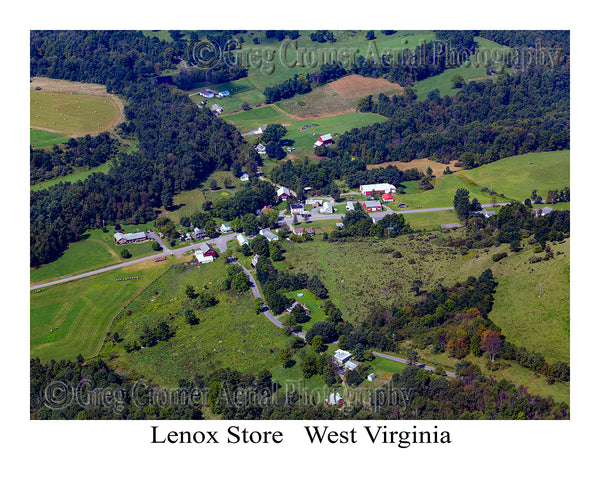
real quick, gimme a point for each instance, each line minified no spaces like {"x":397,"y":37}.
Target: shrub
{"x":499,"y":256}
{"x":125,"y":253}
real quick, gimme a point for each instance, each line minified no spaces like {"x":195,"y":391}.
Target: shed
{"x":372,"y":206}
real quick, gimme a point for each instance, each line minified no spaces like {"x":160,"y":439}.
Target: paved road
{"x":220,"y":243}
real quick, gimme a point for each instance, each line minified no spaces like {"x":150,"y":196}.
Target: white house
{"x":349,"y":206}
{"x":283,"y":193}
{"x":225,"y":228}
{"x":377,"y":188}
{"x":242,"y":240}
{"x":261,"y":149}
{"x":268,"y":234}
{"x":205,"y":254}
{"x":334,"y":400}
{"x":341,"y":356}
{"x":371,"y":377}
{"x":216,"y":108}
{"x":351,"y":365}
{"x":245,"y":177}
{"x":326,"y":208}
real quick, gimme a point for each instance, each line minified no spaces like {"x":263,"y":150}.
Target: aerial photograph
{"x":324,"y":225}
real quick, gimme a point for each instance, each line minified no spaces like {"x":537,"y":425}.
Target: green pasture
{"x":252,"y":119}
{"x":41,"y":138}
{"x":71,"y":178}
{"x":242,"y":90}
{"x":80,"y":312}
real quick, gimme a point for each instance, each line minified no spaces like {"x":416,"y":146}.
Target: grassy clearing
{"x":421,"y":164}
{"x":431,"y":219}
{"x":252,"y":119}
{"x":41,"y":138}
{"x":312,"y":303}
{"x":79,"y":313}
{"x":72,"y":178}
{"x":72,"y":113}
{"x":242,"y":90}
{"x":229,"y":334}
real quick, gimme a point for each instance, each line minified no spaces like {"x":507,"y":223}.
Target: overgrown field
{"x":229,"y":334}
{"x":74,"y":317}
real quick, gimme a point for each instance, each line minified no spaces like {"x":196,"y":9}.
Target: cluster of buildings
{"x":210,"y":93}
{"x":123,"y":238}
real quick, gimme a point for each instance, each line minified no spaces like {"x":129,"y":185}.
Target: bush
{"x":499,"y":256}
{"x":125,"y":253}
{"x":156,"y":246}
{"x":534,"y":259}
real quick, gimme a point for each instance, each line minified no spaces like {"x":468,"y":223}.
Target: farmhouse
{"x":542,"y":212}
{"x":377,"y":188}
{"x":199,"y":232}
{"x":254,"y":260}
{"x":226,"y":228}
{"x":371,"y":377}
{"x":205,"y":254}
{"x":372,"y":206}
{"x":387,"y":197}
{"x":261,"y":149}
{"x":324,"y":140}
{"x":306,"y":309}
{"x":224,"y":93}
{"x":207,"y":93}
{"x":484,"y":213}
{"x":245,"y":177}
{"x":300,"y":231}
{"x":349,"y":206}
{"x":242,"y":240}
{"x":216,"y":109}
{"x":326,"y":208}
{"x":335,"y":400}
{"x":342,"y":356}
{"x":283,"y":193}
{"x":268,"y":234}
{"x":122,"y":238}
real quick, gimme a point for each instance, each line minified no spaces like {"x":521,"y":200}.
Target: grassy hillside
{"x":74,"y":317}
{"x":41,"y":138}
{"x":230,"y":334}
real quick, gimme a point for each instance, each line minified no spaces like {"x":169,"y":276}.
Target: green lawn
{"x":230,"y":334}
{"x":430,"y":219}
{"x":312,"y":303}
{"x":80,"y":312}
{"x":242,"y":90}
{"x":41,"y":138}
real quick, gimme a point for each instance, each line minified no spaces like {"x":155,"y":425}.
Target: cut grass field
{"x":42,"y":138}
{"x":421,"y":164}
{"x":79,"y":313}
{"x":72,"y":113}
{"x":230,"y":334}
{"x":252,"y":119}
{"x":72,"y":178}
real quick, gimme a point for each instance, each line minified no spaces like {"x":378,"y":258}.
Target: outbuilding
{"x":372,"y":206}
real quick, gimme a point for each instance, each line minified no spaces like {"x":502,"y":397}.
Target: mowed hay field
{"x":74,"y":317}
{"x":72,"y":113}
{"x":338,"y":96}
{"x":421,"y":164}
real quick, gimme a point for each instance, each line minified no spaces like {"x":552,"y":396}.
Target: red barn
{"x":387,"y":197}
{"x":372,"y":206}
{"x":324,"y":140}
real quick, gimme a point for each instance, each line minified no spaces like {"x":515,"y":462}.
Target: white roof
{"x":326,"y":137}
{"x":268,"y":234}
{"x":386,"y":187}
{"x":350,"y":365}
{"x":342,"y":355}
{"x":282,"y":190}
{"x":334,"y":398}
{"x":241,"y":239}
{"x":130,"y":236}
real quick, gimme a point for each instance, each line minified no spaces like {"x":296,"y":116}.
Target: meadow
{"x":72,"y":113}
{"x":229,"y":334}
{"x":73,"y":318}
{"x":252,"y":119}
{"x":71,"y":178}
{"x":241,"y":90}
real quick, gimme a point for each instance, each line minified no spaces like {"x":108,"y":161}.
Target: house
{"x":387,"y":197}
{"x":543,"y":211}
{"x":245,"y":177}
{"x":283,"y":193}
{"x":205,"y":254}
{"x":371,"y":377}
{"x":372,"y":206}
{"x":261,"y":149}
{"x":242,"y":240}
{"x":268,"y":234}
{"x":297,"y":209}
{"x":225,"y":228}
{"x":340,"y":225}
{"x":207,"y":93}
{"x":315,"y":202}
{"x":351,"y":365}
{"x":377,"y":188}
{"x":188,"y":237}
{"x":326,"y":208}
{"x":484,"y":213}
{"x":349,"y":206}
{"x":306,"y":309}
{"x":164,"y":80}
{"x":216,"y":109}
{"x":123,"y":238}
{"x":199,"y":232}
{"x":300,"y":231}
{"x":342,"y":356}
{"x":254,"y":260}
{"x":335,"y":400}
{"x":224,"y":93}
{"x":324,"y":140}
